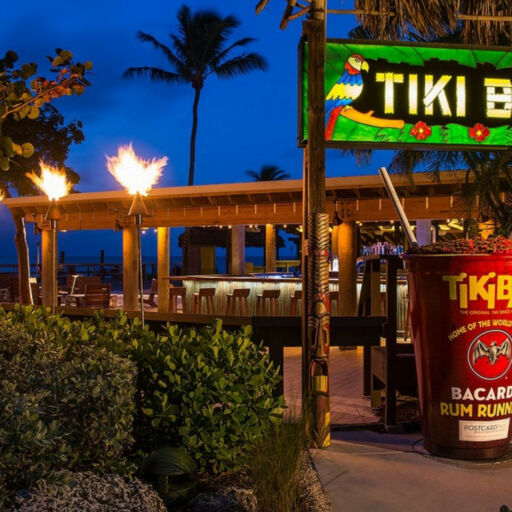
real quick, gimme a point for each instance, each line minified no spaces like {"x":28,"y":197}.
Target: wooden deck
{"x":348,"y":406}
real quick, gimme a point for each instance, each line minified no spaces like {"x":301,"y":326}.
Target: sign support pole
{"x":315,"y":267}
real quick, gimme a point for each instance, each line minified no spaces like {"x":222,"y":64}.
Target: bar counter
{"x":225,"y":284}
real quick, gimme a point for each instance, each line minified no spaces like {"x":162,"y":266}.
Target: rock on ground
{"x":88,"y":492}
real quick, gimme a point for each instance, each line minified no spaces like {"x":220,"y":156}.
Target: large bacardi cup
{"x":461,"y":309}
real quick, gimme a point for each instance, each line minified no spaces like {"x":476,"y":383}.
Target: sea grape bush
{"x":63,"y":406}
{"x":491,"y":245}
{"x":209,"y":390}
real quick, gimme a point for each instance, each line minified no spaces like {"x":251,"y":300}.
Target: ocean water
{"x":175,"y":260}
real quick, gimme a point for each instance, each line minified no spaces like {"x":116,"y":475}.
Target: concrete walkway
{"x":370,"y":472}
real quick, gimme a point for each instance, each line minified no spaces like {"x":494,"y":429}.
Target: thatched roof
{"x":484,"y":22}
{"x":480,"y":21}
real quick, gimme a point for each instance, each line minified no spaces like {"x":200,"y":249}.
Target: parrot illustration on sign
{"x":344,"y":91}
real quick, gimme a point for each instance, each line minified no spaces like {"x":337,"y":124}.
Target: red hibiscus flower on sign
{"x":421,"y":130}
{"x":479,"y":132}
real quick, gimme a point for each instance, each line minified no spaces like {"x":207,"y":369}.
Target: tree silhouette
{"x":199,"y":50}
{"x":268,"y":173}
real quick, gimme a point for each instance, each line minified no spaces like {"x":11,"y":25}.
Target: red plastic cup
{"x":461,"y":316}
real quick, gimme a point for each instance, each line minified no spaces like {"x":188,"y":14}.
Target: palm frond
{"x":148,"y":38}
{"x":268,"y":173}
{"x":155,"y":74}
{"x":223,"y":54}
{"x":241,"y":65}
{"x":253,"y":174}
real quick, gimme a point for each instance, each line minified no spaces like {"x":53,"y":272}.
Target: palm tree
{"x":268,"y":173}
{"x":198,"y":50}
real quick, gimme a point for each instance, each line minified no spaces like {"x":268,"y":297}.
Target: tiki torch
{"x":404,"y":221}
{"x":137,"y":176}
{"x":54,"y":184}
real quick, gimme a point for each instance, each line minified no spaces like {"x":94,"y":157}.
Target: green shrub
{"x":276,"y":467}
{"x":62,"y":405}
{"x":208,"y":390}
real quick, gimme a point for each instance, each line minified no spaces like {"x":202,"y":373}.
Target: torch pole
{"x":138,"y":223}
{"x":53,"y":215}
{"x":138,"y":210}
{"x":53,"y":226}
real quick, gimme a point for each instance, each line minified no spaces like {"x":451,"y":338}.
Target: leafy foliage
{"x":199,"y":50}
{"x":51,"y":138}
{"x":21,"y":99}
{"x":207,"y":389}
{"x":268,"y":173}
{"x":64,"y":404}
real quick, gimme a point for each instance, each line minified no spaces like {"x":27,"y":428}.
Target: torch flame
{"x":134,"y":173}
{"x":2,"y":195}
{"x":52,"y":181}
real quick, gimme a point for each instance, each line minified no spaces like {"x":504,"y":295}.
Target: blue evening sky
{"x":243,"y":123}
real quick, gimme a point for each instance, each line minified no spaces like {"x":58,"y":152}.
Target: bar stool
{"x":294,"y":302}
{"x":270,"y":297}
{"x":174,"y":293}
{"x":333,"y":299}
{"x":208,"y":294}
{"x":238,"y":296}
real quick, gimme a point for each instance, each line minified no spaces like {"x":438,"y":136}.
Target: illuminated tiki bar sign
{"x":404,"y":95}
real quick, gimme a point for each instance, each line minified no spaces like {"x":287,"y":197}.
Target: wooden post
{"x":270,"y":248}
{"x":347,"y":277}
{"x":238,"y":249}
{"x":207,"y":260}
{"x":48,"y":260}
{"x":315,"y":317}
{"x":130,"y":270}
{"x":164,"y":267}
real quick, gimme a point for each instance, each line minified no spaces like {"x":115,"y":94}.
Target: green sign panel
{"x":414,"y":96}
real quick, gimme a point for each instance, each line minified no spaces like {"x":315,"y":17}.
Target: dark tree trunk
{"x":20,"y":240}
{"x":193,"y":136}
